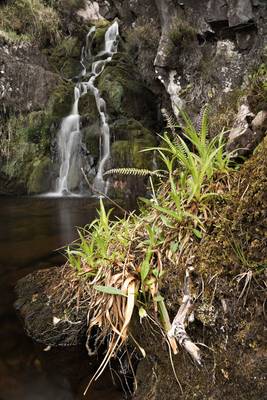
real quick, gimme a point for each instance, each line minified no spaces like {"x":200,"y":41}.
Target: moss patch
{"x":40,"y":178}
{"x":60,"y":102}
{"x":65,"y":57}
{"x":181,"y":32}
{"x":88,"y":109}
{"x":91,"y":139}
{"x":32,"y":18}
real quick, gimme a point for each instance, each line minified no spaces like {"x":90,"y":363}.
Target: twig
{"x":178,"y":326}
{"x":103,"y":194}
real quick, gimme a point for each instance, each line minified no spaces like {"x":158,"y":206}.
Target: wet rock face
{"x":25,"y":79}
{"x":206,"y":49}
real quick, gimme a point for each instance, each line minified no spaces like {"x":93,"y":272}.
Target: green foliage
{"x":193,"y":163}
{"x":32,"y":18}
{"x":197,"y":159}
{"x":93,"y":246}
{"x":12,"y":37}
{"x":109,"y":290}
{"x":123,"y":260}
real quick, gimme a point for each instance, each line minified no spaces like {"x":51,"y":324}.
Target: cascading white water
{"x":69,"y":136}
{"x":69,"y":141}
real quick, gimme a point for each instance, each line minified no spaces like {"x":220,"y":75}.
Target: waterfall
{"x":69,"y":135}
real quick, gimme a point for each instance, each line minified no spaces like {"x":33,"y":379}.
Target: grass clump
{"x":32,"y":18}
{"x":121,"y":263}
{"x":181,"y":33}
{"x":257,"y":91}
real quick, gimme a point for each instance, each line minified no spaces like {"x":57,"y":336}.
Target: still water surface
{"x":31,"y":229}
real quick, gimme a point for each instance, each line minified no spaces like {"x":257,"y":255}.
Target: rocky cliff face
{"x":172,"y":55}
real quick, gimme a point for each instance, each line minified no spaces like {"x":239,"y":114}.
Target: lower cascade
{"x":69,"y":138}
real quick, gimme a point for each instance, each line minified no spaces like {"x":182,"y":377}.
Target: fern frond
{"x":171,"y":122}
{"x":132,"y":171}
{"x":202,"y":124}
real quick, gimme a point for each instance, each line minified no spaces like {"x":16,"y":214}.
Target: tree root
{"x":178,"y":325}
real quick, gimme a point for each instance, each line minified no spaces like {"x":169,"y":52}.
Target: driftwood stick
{"x":103,"y":194}
{"x":178,"y":325}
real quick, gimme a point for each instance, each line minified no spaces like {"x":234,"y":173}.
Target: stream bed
{"x":32,"y":231}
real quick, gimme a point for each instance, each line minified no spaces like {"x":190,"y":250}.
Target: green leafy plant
{"x":121,"y":261}
{"x":198,"y":158}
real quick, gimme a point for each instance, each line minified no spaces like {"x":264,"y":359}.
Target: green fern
{"x":171,"y":122}
{"x":132,"y":171}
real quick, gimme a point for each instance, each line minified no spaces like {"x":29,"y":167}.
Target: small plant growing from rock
{"x":257,"y":95}
{"x":181,"y":33}
{"x":120,"y":264}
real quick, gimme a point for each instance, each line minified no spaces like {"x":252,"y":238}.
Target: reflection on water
{"x":30,"y":231}
{"x":32,"y":228}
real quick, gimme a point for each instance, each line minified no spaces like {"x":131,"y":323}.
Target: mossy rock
{"x":91,"y":139}
{"x":40,"y":178}
{"x":99,"y":39}
{"x":124,"y":128}
{"x":61,"y":100}
{"x":88,"y":109}
{"x":120,"y":86}
{"x":65,"y":57}
{"x":32,"y":135}
{"x":257,"y":89}
{"x":125,"y":153}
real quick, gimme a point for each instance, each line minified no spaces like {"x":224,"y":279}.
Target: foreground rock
{"x":45,"y":319}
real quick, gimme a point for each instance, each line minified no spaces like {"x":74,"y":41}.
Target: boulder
{"x":239,"y":12}
{"x":241,"y":137}
{"x":45,"y":319}
{"x":259,"y":123}
{"x":40,"y":179}
{"x":247,"y":131}
{"x":217,"y":10}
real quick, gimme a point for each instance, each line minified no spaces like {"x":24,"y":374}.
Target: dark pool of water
{"x":31,"y":229}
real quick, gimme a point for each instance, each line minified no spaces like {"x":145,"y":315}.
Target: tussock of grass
{"x":121,"y":263}
{"x":181,"y":32}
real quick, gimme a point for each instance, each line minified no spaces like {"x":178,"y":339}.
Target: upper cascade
{"x":69,"y":138}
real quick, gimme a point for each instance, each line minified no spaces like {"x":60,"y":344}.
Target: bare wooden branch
{"x":178,"y":325}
